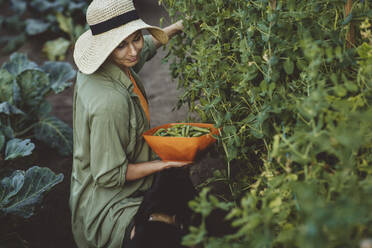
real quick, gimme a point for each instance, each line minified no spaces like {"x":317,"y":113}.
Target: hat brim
{"x":92,"y":50}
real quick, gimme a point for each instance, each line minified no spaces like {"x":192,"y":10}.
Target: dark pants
{"x":131,"y":224}
{"x":127,"y":234}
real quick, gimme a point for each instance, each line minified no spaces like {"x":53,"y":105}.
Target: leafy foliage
{"x":24,"y":110}
{"x":293,"y":98}
{"x":56,"y":133}
{"x":22,"y":191}
{"x":25,"y":114}
{"x":18,"y":148}
{"x":37,"y":17}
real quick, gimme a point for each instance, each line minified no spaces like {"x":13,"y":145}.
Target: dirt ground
{"x":50,"y":228}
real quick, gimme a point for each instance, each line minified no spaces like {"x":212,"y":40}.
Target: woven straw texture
{"x":102,"y":10}
{"x":92,"y":50}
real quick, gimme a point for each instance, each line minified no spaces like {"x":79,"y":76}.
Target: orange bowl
{"x":179,"y":148}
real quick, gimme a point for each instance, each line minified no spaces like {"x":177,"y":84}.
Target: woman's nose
{"x":132,"y":50}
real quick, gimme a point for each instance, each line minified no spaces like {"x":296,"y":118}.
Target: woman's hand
{"x":171,"y":31}
{"x":140,"y":170}
{"x":171,"y":164}
{"x":179,"y":26}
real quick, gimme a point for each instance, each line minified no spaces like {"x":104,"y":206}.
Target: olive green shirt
{"x":108,"y":124}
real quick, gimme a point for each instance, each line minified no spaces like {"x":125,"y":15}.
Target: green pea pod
{"x":200,"y":129}
{"x":187,"y":131}
{"x":175,"y":134}
{"x":159,"y":131}
{"x":198,"y":134}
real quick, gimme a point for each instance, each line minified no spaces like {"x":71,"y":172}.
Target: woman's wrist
{"x":159,"y":165}
{"x":171,"y":31}
{"x":140,"y":170}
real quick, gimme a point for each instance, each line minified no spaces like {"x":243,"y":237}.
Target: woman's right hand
{"x":172,"y":164}
{"x":139,"y":170}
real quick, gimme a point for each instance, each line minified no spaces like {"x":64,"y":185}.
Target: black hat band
{"x":114,"y":22}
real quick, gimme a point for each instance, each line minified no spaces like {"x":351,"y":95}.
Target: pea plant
{"x":291,"y":92}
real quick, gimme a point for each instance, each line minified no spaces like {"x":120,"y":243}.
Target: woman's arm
{"x":139,"y":170}
{"x":171,"y":30}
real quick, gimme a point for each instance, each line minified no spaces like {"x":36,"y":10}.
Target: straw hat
{"x":110,"y":21}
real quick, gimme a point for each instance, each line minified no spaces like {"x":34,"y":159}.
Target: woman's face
{"x":127,"y":52}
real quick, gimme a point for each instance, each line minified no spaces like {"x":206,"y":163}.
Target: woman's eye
{"x":122,"y":45}
{"x":137,"y":38}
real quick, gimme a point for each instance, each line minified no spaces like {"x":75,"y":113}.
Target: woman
{"x":112,"y":164}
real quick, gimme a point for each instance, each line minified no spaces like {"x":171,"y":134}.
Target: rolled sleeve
{"x":148,"y":51}
{"x":109,"y":140}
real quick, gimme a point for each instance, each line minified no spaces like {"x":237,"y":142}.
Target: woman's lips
{"x":132,"y":60}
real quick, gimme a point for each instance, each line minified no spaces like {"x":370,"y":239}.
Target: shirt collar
{"x":112,"y":70}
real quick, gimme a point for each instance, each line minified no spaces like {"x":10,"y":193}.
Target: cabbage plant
{"x":30,"y":18}
{"x":25,"y":117}
{"x":24,"y":110}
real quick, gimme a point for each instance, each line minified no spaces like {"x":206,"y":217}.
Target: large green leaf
{"x":56,"y":133}
{"x":16,"y":148}
{"x":44,"y":109}
{"x":56,"y":49}
{"x":19,"y":63}
{"x":65,"y":23}
{"x":34,"y":86}
{"x":14,"y":23}
{"x":10,"y":43}
{"x":2,"y":141}
{"x":44,"y":6}
{"x":18,"y":6}
{"x":7,"y":131}
{"x":72,"y":6}
{"x":6,"y":86}
{"x":35,"y":26}
{"x":60,"y":73}
{"x":8,"y":109}
{"x":23,"y":191}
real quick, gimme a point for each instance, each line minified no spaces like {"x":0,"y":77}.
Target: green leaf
{"x":8,"y":109}
{"x":365,"y":50}
{"x":56,"y":133}
{"x":6,"y":86}
{"x":16,"y":148}
{"x":65,"y":23}
{"x":56,"y":49}
{"x":34,"y":85}
{"x":7,"y":131}
{"x":44,"y":109}
{"x":288,"y":66}
{"x":18,"y":6}
{"x":72,"y":6}
{"x":60,"y":73}
{"x":35,"y":26}
{"x":2,"y":141}
{"x":11,"y":43}
{"x":23,"y":191}
{"x":14,"y":23}
{"x":47,"y":6}
{"x":18,"y":63}
{"x":348,"y":19}
{"x":79,"y":30}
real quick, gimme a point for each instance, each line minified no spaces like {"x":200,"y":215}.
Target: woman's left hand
{"x":171,"y":31}
{"x":179,"y":25}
